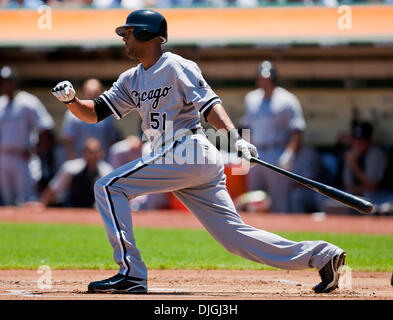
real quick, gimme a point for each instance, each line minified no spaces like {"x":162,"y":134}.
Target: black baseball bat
{"x":329,"y":191}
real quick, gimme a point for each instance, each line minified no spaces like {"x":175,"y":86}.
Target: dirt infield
{"x":195,"y":285}
{"x":201,"y":284}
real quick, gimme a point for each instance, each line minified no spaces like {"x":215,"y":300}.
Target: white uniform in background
{"x":272,"y":121}
{"x":21,"y":120}
{"x":80,"y":131}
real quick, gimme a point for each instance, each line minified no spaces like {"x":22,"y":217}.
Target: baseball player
{"x":275,"y":118}
{"x":170,"y":94}
{"x":23,"y":118}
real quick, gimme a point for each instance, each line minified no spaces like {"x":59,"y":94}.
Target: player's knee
{"x":99,"y":185}
{"x":104,"y":186}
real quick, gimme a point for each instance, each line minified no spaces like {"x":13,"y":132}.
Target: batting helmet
{"x":148,"y":25}
{"x":267,"y":70}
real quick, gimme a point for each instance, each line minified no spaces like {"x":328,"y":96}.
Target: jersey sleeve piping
{"x":115,"y":112}
{"x":208,"y":104}
{"x":208,"y":109}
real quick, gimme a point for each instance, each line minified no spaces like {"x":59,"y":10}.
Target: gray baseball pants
{"x":193,"y":170}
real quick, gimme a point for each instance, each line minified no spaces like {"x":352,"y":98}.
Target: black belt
{"x":193,"y":131}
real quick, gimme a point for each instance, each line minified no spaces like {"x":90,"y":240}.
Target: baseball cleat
{"x":118,"y":284}
{"x":330,"y":274}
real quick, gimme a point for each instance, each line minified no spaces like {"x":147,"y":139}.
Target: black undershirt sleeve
{"x":101,"y":108}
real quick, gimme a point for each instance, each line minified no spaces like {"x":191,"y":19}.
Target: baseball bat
{"x":329,"y":191}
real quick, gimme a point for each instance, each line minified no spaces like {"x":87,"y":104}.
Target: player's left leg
{"x":159,"y":172}
{"x":214,"y":208}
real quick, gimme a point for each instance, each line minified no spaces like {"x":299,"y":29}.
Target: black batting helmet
{"x":267,"y":70}
{"x":148,"y":25}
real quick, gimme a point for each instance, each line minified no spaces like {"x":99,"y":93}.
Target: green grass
{"x":75,"y":246}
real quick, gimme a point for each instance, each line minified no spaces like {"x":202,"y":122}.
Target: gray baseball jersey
{"x":174,"y":90}
{"x":170,"y":95}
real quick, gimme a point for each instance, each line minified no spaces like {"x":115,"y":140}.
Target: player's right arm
{"x":218,"y":117}
{"x":82,"y":109}
{"x":117,"y":101}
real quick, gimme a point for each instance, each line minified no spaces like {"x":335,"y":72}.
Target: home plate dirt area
{"x":201,"y":284}
{"x":195,"y":284}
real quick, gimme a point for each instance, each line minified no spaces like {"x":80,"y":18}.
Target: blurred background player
{"x":23,"y":119}
{"x":307,"y":163}
{"x":126,"y":150}
{"x":74,"y":182}
{"x":50,"y":156}
{"x":365,"y":166}
{"x":276,"y":120}
{"x":75,"y":132}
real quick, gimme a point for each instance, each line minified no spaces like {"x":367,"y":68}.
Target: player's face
{"x":264,"y":83}
{"x":132,"y":45}
{"x":361,"y":144}
{"x":92,"y":154}
{"x":91,"y":90}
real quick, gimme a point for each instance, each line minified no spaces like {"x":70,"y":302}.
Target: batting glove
{"x":64,"y":92}
{"x":246,"y":149}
